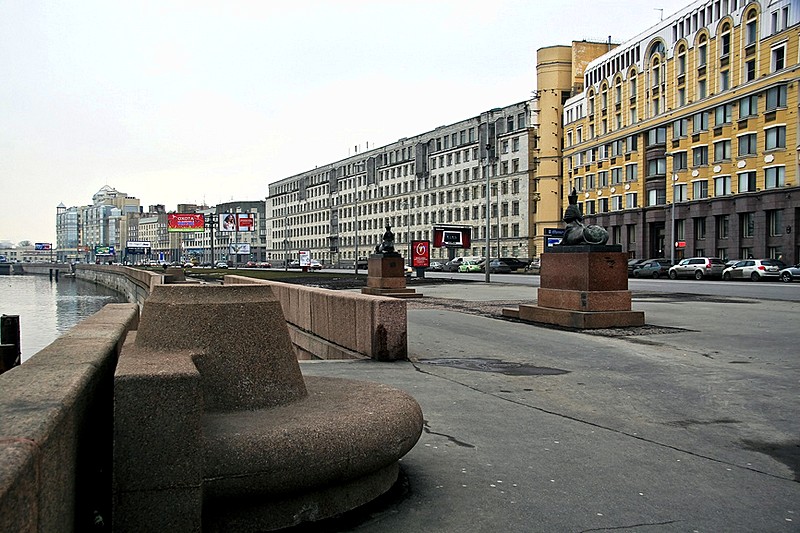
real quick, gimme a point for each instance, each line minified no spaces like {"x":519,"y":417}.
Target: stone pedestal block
{"x":583,"y":287}
{"x":386,"y":267}
{"x":585,"y":270}
{"x":585,"y":300}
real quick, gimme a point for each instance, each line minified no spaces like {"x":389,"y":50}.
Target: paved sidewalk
{"x":529,"y":429}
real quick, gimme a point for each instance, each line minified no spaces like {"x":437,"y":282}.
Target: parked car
{"x":436,"y":265}
{"x":754,"y":269}
{"x":790,"y":273}
{"x":534,"y":267}
{"x":654,"y":268}
{"x":265,"y":264}
{"x":469,"y":266}
{"x":515,"y":263}
{"x":363,"y":263}
{"x":315,"y":265}
{"x":454,"y":264}
{"x":294,"y":263}
{"x":221,"y":264}
{"x":698,"y":268}
{"x":633,"y":263}
{"x":496,"y":266}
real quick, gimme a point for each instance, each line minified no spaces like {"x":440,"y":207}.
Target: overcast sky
{"x":198,"y":101}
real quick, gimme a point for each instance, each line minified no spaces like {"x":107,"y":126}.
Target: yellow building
{"x":684,"y":142}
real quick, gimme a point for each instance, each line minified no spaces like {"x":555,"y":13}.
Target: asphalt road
{"x":690,"y":426}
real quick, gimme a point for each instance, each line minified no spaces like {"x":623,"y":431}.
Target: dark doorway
{"x":657,"y":240}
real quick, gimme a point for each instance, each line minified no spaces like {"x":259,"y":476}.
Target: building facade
{"x":684,"y":141}
{"x":505,"y":158}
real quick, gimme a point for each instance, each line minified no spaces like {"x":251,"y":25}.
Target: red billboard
{"x":420,"y":254}
{"x":185,"y":222}
{"x":452,"y":236}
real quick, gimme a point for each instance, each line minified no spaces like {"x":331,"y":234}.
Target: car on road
{"x":697,"y":268}
{"x":294,"y":263}
{"x":469,"y":266}
{"x":654,"y":268}
{"x":791,"y":273}
{"x":265,"y":264}
{"x":221,"y":264}
{"x":754,"y":270}
{"x":515,"y":263}
{"x":633,"y":263}
{"x":315,"y":265}
{"x":436,"y":266}
{"x":496,"y":266}
{"x":534,"y":267}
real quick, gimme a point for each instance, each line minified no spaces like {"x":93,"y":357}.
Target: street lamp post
{"x":286,"y":243}
{"x":407,"y":206}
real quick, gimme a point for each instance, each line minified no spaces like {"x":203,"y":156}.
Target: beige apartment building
{"x":684,"y":140}
{"x":508,"y":158}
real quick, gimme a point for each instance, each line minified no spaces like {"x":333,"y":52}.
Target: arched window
{"x":751,"y":27}
{"x":680,"y":61}
{"x":725,"y":40}
{"x":702,"y":51}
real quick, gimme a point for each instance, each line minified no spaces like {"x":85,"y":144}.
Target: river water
{"x":47,"y":309}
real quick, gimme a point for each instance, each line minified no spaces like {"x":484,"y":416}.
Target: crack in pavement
{"x":606,"y":428}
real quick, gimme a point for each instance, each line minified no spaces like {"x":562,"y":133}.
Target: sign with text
{"x":236,"y":222}
{"x":104,"y":250}
{"x":239,"y":248}
{"x":305,"y":258}
{"x":185,"y":222}
{"x":43,"y":246}
{"x":138,"y":244}
{"x":420,"y":254}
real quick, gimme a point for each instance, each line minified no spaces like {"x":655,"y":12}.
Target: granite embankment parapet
{"x":56,"y":427}
{"x":328,"y":324}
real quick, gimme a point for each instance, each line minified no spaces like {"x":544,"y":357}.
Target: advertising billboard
{"x":185,"y":222}
{"x":43,"y":246}
{"x":239,"y":248}
{"x":305,"y":258}
{"x":236,"y":222}
{"x":452,"y":236}
{"x":420,"y":254}
{"x":137,"y":247}
{"x":104,"y":250}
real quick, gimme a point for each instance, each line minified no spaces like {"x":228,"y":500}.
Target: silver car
{"x":754,"y":269}
{"x":697,"y":268}
{"x":790,"y":273}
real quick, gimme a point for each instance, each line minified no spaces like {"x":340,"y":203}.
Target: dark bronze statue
{"x":576,"y":231}
{"x":387,"y":244}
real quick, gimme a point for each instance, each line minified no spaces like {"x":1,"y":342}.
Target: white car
{"x":754,"y":269}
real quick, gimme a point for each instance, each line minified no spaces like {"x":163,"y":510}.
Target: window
{"x":699,"y":228}
{"x":700,"y":122}
{"x":775,"y":137}
{"x":656,"y":197}
{"x":750,"y":70}
{"x":748,"y":106}
{"x":602,"y":205}
{"x":657,"y":136}
{"x":778,"y":57}
{"x":590,"y":207}
{"x":631,"y":172}
{"x":722,"y":185}
{"x":747,"y":144}
{"x":747,"y":181}
{"x":630,"y":200}
{"x":774,"y":177}
{"x":681,"y":96}
{"x":681,"y":65}
{"x":616,"y":176}
{"x":700,"y":155}
{"x":700,"y":189}
{"x":680,"y":230}
{"x":747,"y":223}
{"x":775,"y":222}
{"x":724,"y":80}
{"x":657,"y":167}
{"x":725,"y":41}
{"x":776,"y":97}
{"x":680,"y":128}
{"x":616,"y":203}
{"x":631,"y":144}
{"x":602,"y":179}
{"x":679,"y":161}
{"x":751,"y":29}
{"x":722,"y":150}
{"x":589,"y":181}
{"x":679,"y":192}
{"x":702,"y":52}
{"x":723,"y":114}
{"x":702,"y":88}
{"x":722,"y":223}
